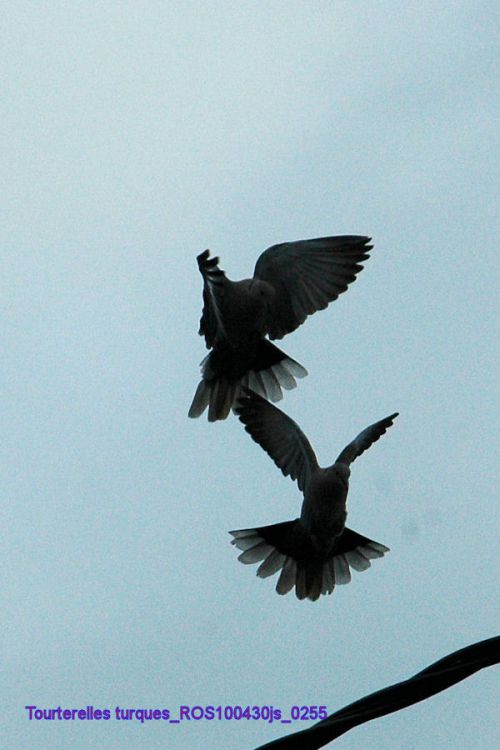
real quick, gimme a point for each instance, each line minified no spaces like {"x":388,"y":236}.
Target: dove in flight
{"x":290,"y":282}
{"x":313,"y":552}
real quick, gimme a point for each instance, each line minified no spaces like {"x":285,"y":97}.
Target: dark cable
{"x":438,"y":676}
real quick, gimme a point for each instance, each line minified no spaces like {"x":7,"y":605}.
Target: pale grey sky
{"x":134,"y":136}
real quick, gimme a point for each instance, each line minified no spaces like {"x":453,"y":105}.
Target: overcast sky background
{"x":134,"y":136}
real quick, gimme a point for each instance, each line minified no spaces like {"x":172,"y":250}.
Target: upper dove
{"x":290,"y":281}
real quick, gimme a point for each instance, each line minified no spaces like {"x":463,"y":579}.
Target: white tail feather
{"x":310,"y":578}
{"x":288,"y":576}
{"x":256,"y":554}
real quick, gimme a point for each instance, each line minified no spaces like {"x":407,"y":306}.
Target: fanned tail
{"x":269,"y":371}
{"x":287,"y":547}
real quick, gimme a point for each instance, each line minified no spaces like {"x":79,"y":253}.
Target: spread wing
{"x":214,"y":283}
{"x":278,"y":435}
{"x":307,"y":276}
{"x":363,"y":441}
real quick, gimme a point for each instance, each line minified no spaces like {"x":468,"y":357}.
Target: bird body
{"x":324,"y":513}
{"x":313,"y":552}
{"x":244,"y":310}
{"x":290,"y":282}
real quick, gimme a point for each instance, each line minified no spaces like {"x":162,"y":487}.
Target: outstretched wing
{"x":278,"y":435}
{"x":307,"y":276}
{"x":214,"y":283}
{"x":363,"y":441}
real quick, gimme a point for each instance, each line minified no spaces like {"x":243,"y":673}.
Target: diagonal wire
{"x":435,"y":678}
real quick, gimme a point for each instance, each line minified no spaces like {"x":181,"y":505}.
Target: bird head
{"x":342,"y":472}
{"x":262,"y":290}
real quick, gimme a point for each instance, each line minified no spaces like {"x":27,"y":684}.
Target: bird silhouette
{"x":313,"y":552}
{"x":290,"y":282}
